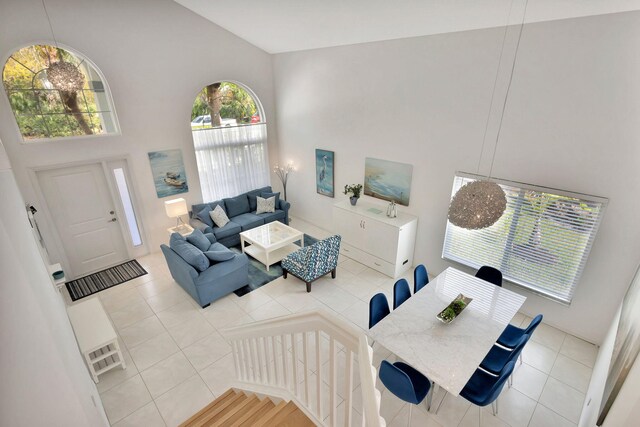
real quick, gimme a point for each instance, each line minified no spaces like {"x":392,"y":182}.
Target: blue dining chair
{"x":406,"y":383}
{"x":378,"y":309}
{"x":510,"y":336}
{"x":498,"y":357}
{"x":484,"y":388}
{"x":490,"y":274}
{"x":420,"y":278}
{"x":401,"y":292}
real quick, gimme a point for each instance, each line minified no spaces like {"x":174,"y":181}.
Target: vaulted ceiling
{"x":289,"y":25}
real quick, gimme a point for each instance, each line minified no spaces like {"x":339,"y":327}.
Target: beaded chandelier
{"x":478,"y":204}
{"x":65,"y":76}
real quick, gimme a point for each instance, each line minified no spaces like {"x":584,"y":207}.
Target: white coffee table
{"x":271,"y":242}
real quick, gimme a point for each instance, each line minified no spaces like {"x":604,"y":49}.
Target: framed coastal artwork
{"x":324,"y":172}
{"x":388,"y":180}
{"x":168,"y":172}
{"x":625,"y":348}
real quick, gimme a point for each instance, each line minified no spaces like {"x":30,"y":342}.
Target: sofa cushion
{"x":265,"y":205}
{"x":219,"y":216}
{"x":201,"y":211}
{"x":248,"y":221}
{"x":278,"y":215}
{"x":229,"y":229}
{"x":237,"y":205}
{"x":219,"y":256}
{"x":266,"y":195}
{"x":174,"y":238}
{"x":199,"y":240}
{"x":191,"y":254}
{"x":253,"y":194}
{"x":219,"y":271}
{"x":218,"y":247}
{"x":203,"y":215}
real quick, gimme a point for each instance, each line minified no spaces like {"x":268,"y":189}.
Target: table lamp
{"x":175,"y":209}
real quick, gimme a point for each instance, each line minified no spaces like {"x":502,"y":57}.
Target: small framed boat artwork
{"x":167,"y":168}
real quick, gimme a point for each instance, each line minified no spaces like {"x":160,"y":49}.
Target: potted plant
{"x":354,"y":191}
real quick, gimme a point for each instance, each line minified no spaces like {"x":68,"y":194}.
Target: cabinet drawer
{"x":368,"y":260}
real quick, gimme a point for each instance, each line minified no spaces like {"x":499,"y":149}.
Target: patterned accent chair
{"x":312,"y":262}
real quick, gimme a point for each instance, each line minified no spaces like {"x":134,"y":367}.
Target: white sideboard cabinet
{"x":377,"y":241}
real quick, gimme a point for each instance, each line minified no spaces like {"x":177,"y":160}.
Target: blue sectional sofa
{"x":241,"y":211}
{"x":205,"y":280}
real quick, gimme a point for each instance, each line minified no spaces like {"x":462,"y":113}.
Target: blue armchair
{"x":312,"y":262}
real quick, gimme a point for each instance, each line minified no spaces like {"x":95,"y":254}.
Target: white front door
{"x":85,"y":216}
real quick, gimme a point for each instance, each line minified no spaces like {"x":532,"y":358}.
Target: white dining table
{"x":448,"y":354}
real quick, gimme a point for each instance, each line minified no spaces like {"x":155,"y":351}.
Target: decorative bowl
{"x":58,"y":274}
{"x":454,"y":309}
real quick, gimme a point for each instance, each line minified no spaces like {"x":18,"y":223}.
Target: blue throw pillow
{"x":203,"y":216}
{"x":175,"y":239}
{"x":199,"y":240}
{"x":277,"y":196}
{"x":218,"y":256}
{"x":237,"y":205}
{"x":192,"y":255}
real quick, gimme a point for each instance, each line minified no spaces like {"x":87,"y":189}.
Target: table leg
{"x":266,"y":255}
{"x":242,"y":243}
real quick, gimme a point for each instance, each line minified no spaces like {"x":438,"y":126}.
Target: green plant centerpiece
{"x":454,"y":309}
{"x":353,"y":191}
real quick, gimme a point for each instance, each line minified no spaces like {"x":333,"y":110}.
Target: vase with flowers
{"x":353,"y":191}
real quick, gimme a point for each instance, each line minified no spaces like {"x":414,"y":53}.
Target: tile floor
{"x":177,"y":360}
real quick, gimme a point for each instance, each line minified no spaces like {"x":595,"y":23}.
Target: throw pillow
{"x":265,"y":205}
{"x":218,"y":256}
{"x":192,"y":255}
{"x":219,"y":216}
{"x":175,"y":239}
{"x":276,"y":195}
{"x":199,"y":240}
{"x":203,"y":215}
{"x":237,"y":205}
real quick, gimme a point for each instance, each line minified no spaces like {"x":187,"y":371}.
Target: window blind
{"x":541,"y":242}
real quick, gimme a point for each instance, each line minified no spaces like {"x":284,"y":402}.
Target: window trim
{"x":538,"y":188}
{"x":107,"y":92}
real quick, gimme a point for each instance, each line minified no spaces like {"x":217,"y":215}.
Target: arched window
{"x":55,"y":93}
{"x":230,"y":140}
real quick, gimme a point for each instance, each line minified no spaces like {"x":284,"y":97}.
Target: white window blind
{"x":541,"y":242}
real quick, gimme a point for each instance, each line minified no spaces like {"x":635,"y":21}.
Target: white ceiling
{"x":289,"y":25}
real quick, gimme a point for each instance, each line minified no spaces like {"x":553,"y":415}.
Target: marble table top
{"x":448,"y":354}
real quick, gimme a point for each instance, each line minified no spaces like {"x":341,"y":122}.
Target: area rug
{"x":258,"y":274}
{"x":105,"y":279}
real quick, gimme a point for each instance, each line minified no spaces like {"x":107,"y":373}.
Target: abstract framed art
{"x":168,"y":172}
{"x":324,"y":172}
{"x":388,"y":180}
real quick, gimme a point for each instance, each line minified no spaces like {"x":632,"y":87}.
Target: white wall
{"x":156,"y":56}
{"x":625,"y":410}
{"x":571,"y":123}
{"x":44,"y":379}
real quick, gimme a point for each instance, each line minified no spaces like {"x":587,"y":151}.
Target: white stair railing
{"x":309,"y":358}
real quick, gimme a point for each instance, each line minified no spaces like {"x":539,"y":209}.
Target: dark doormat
{"x":258,"y":274}
{"x":105,"y":279}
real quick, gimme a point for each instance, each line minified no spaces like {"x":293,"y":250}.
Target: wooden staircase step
{"x":283,"y":415}
{"x":236,"y":412}
{"x":256,"y":413}
{"x":229,"y":394}
{"x":264,"y":421}
{"x":296,"y":418}
{"x":204,"y":418}
{"x":236,"y":409}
